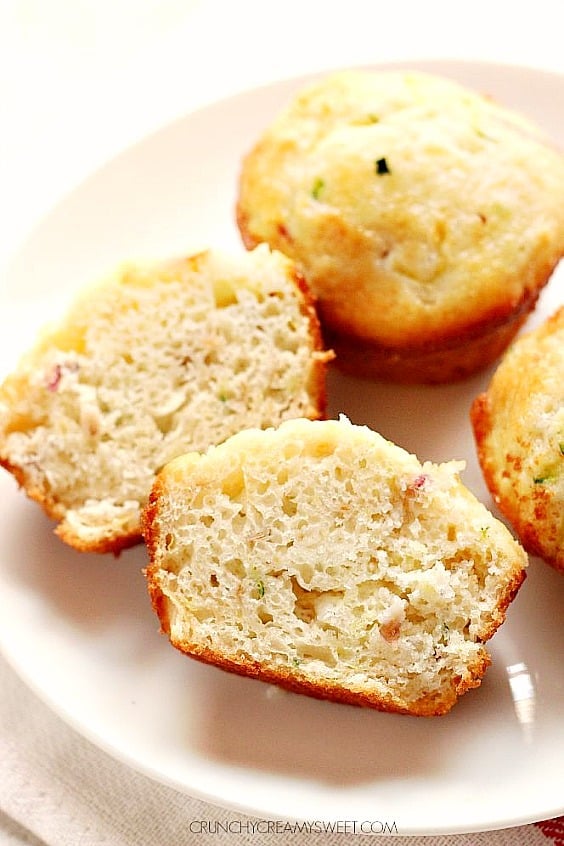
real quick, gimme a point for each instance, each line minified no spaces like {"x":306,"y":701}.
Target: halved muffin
{"x":155,"y":361}
{"x":321,"y":557}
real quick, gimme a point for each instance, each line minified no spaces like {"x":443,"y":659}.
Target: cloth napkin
{"x":57,"y":789}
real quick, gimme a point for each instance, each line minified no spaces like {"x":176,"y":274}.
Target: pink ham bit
{"x":56,"y":374}
{"x":417,"y":485}
{"x":419,"y":482}
{"x":390,"y":631}
{"x":54,"y":378}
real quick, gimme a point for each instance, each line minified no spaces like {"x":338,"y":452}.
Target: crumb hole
{"x":211,"y":358}
{"x":241,"y":365}
{"x":264,"y":616}
{"x":304,"y":606}
{"x":233,"y":484}
{"x":236,"y":567}
{"x":289,"y":506}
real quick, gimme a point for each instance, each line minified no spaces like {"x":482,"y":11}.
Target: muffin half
{"x":148,"y":364}
{"x":321,"y":557}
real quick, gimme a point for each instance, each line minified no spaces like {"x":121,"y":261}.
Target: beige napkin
{"x":57,"y":789}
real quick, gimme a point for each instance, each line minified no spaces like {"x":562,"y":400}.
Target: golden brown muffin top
{"x":418,"y":209}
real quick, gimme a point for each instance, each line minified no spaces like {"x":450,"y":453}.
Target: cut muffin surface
{"x":323,"y":558}
{"x":151,"y":363}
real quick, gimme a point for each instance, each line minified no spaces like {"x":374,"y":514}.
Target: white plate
{"x":79,"y":628}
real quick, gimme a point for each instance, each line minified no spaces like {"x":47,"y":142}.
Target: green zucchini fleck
{"x":318,"y":186}
{"x":381,"y":167}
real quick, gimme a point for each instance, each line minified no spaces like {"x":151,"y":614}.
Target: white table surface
{"x":79,"y":81}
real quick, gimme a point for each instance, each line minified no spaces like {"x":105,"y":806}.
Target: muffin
{"x":425,"y":217}
{"x":155,"y":361}
{"x":320,"y":557}
{"x":519,"y":430}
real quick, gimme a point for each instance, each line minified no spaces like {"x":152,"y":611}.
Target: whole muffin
{"x":425,"y":217}
{"x":519,"y":428}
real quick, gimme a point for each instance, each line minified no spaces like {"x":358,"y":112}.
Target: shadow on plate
{"x":90,"y":591}
{"x":255,"y":726}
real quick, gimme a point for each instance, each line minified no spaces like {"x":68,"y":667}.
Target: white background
{"x":82,"y":79}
